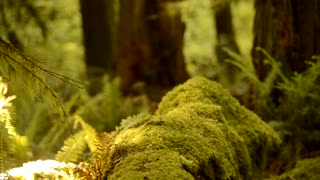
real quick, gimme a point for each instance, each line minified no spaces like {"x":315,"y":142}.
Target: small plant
{"x":289,"y":103}
{"x":14,"y":148}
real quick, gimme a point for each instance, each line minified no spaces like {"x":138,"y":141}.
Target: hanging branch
{"x":16,"y":66}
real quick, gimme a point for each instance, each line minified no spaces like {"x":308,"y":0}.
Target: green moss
{"x":132,"y":122}
{"x":150,"y":164}
{"x":199,"y":131}
{"x":258,"y":136}
{"x":307,"y":169}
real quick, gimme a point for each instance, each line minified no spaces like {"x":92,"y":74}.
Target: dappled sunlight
{"x":47,"y":169}
{"x":137,"y":136}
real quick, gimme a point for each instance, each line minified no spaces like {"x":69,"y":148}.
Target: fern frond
{"x":276,"y":68}
{"x":243,"y":64}
{"x":103,"y":111}
{"x":16,"y":66}
{"x":105,"y":141}
{"x":6,"y":130}
{"x":90,"y":133}
{"x":52,"y":138}
{"x":93,"y":170}
{"x":98,"y":143}
{"x":4,"y":145}
{"x":14,"y":149}
{"x":303,"y":95}
{"x":73,"y":148}
{"x":247,"y":67}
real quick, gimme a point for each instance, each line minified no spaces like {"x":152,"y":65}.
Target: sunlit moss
{"x":198,"y":131}
{"x":247,"y":124}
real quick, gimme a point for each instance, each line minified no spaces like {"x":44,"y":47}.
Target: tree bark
{"x":289,"y":31}
{"x":225,"y":35}
{"x":150,"y":42}
{"x":97,"y":22}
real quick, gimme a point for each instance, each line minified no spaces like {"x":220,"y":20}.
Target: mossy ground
{"x":198,"y":132}
{"x":307,"y":169}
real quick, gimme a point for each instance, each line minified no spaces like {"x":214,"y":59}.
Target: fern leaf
{"x":4,"y":143}
{"x":243,"y":64}
{"x":53,"y":136}
{"x":15,"y":65}
{"x":90,"y":133}
{"x":14,"y":148}
{"x":6,"y":130}
{"x":73,"y":148}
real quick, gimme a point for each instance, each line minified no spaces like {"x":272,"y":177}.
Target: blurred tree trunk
{"x":150,"y":39}
{"x":289,"y":30}
{"x":225,"y":39}
{"x":97,"y":22}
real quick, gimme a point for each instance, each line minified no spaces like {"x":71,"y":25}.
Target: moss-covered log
{"x":198,"y":132}
{"x":306,"y":169}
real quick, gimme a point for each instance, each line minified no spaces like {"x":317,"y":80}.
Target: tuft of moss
{"x":198,"y":132}
{"x":259,"y":137}
{"x":306,"y":169}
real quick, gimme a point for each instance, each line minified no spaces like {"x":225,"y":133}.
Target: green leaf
{"x":73,"y":148}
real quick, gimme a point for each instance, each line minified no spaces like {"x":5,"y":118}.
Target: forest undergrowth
{"x":290,"y":105}
{"x":293,"y":115}
{"x":56,"y":120}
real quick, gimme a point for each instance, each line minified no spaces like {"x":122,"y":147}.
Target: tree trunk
{"x":97,"y":21}
{"x":289,"y":31}
{"x":150,"y":40}
{"x":225,"y":39}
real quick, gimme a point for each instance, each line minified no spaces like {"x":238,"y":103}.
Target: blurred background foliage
{"x":200,"y":36}
{"x":51,"y":33}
